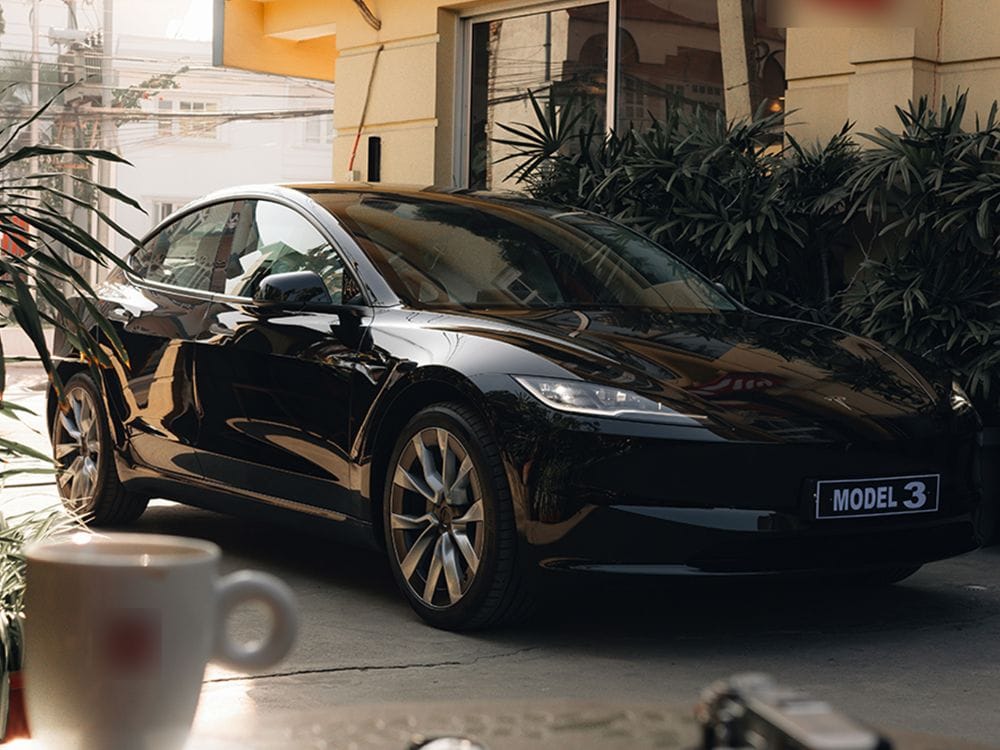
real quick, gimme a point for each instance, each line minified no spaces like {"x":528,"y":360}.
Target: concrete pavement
{"x":921,"y":656}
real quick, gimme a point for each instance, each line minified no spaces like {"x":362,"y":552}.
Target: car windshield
{"x":457,"y":252}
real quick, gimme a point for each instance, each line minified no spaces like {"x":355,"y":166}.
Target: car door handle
{"x":120,"y":315}
{"x":217,"y":329}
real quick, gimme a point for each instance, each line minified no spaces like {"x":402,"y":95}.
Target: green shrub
{"x":921,"y":208}
{"x":38,"y":276}
{"x":704,"y":188}
{"x":932,"y":192}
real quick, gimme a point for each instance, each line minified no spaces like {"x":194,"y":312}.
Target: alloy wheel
{"x":77,"y":448}
{"x":437,"y":517}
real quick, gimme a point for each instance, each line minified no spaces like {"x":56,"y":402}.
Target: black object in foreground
{"x":753,"y":711}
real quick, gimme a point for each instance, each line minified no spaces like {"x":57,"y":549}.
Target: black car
{"x":488,"y":386}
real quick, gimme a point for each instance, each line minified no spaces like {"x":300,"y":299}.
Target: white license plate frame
{"x":877,"y":497}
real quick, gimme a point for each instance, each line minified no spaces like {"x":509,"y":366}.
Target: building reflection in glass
{"x":669,"y":58}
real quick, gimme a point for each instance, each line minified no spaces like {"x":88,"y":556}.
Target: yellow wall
{"x":861,"y":75}
{"x":255,"y":37}
{"x":413,"y":86}
{"x":413,"y":89}
{"x":834,"y":75}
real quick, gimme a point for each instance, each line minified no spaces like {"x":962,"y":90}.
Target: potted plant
{"x":15,"y":533}
{"x":41,"y":245}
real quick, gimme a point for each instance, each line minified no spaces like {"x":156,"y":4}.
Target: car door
{"x":277,"y":387}
{"x":158,"y":318}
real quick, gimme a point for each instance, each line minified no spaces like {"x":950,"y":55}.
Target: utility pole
{"x":66,"y":129}
{"x":34,"y":80}
{"x":105,"y":170}
{"x":78,"y":53}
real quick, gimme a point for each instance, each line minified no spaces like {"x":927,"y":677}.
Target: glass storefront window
{"x":668,"y":55}
{"x":560,"y":54}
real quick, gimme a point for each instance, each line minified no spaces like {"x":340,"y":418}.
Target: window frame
{"x":160,"y":204}
{"x":466,"y":18}
{"x":325,"y":133}
{"x":188,"y":127}
{"x":165,"y":118}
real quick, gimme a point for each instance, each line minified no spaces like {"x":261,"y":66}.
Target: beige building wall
{"x":860,"y":75}
{"x":408,"y":73}
{"x":413,"y":89}
{"x":834,"y":75}
{"x":416,"y":91}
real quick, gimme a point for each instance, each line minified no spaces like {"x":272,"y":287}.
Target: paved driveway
{"x":923,"y":656}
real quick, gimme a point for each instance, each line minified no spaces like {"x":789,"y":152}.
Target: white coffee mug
{"x":118,"y":629}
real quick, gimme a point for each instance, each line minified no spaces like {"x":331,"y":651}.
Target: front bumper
{"x":682,"y":541}
{"x":596,"y":501}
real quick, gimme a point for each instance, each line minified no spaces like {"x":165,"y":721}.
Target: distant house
{"x":215,"y":129}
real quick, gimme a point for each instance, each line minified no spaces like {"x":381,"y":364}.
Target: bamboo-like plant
{"x":815,"y":185}
{"x":16,"y":532}
{"x":933,"y":192}
{"x":920,"y":206}
{"x":39,"y":283}
{"x":714,"y":192}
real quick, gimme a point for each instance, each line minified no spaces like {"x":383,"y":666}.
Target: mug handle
{"x":253,"y":586}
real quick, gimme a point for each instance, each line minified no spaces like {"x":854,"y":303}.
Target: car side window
{"x":272,"y":238}
{"x":185,"y":253}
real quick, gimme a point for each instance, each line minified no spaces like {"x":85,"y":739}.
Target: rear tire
{"x":86,"y":477}
{"x":449,"y":522}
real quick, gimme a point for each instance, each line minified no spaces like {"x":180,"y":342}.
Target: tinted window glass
{"x":272,"y":238}
{"x":184,"y":253}
{"x":439,"y":253}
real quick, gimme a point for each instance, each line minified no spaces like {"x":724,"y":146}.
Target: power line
{"x":171,"y":66}
{"x":131,"y":115}
{"x":138,"y":115}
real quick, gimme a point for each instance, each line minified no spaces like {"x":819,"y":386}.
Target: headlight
{"x":960,"y":401}
{"x":580,"y":397}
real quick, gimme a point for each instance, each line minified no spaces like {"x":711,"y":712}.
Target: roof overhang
{"x":283,"y":37}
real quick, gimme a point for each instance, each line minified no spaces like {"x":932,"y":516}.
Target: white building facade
{"x":216,"y":129}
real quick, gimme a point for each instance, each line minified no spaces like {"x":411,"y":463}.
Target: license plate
{"x":881,"y":496}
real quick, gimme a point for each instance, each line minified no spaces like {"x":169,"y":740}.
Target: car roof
{"x":400,"y":189}
{"x":278,"y":190}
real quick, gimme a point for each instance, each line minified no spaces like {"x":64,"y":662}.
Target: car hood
{"x":755,"y":376}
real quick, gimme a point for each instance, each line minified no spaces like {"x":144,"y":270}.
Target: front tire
{"x":449,"y":522}
{"x":84,"y":453}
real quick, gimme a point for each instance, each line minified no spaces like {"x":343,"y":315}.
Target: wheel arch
{"x":425,"y":387}
{"x":69,"y":362}
{"x":66,"y":369}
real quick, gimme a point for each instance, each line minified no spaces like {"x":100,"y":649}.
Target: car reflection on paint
{"x":489,"y":388}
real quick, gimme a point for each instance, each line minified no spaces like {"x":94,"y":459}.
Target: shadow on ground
{"x":720,"y":613}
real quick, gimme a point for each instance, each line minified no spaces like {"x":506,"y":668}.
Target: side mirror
{"x":292,"y":289}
